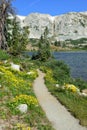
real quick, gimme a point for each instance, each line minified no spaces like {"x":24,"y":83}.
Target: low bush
{"x":60,"y":71}
{"x":80,"y":83}
{"x":4,"y":55}
{"x":31,"y":101}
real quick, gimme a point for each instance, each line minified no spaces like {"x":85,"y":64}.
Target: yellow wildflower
{"x":71,"y":87}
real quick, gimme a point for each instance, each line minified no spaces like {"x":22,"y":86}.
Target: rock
{"x":70,"y":26}
{"x":22,"y":108}
{"x":15,"y":67}
{"x":5,"y":61}
{"x":57,"y":86}
{"x":84,"y":94}
{"x":30,"y":73}
{"x":37,"y":24}
{"x":67,"y":26}
{"x":84,"y":91}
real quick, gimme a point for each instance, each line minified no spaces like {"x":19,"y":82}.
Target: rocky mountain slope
{"x":67,"y":26}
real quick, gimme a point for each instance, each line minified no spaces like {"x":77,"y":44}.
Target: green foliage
{"x":44,"y":127}
{"x":61,"y":71}
{"x":77,"y":41}
{"x":46,"y":32}
{"x":4,"y":55}
{"x":33,"y":41}
{"x":17,"y":38}
{"x":80,"y":83}
{"x":72,"y":100}
{"x":44,"y":51}
{"x":85,"y":47}
{"x":57,"y":43}
{"x":31,"y":101}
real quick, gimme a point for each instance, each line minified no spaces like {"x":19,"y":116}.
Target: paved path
{"x":57,"y":114}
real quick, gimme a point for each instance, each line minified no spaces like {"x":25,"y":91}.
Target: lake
{"x":77,"y":61}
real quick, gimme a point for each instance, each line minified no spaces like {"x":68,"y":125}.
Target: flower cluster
{"x":20,"y":126}
{"x":12,"y":80}
{"x":25,"y":99}
{"x":9,"y":76}
{"x":71,"y":87}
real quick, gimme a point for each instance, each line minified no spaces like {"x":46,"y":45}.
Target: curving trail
{"x":57,"y":114}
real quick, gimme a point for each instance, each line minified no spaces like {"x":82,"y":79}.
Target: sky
{"x":52,"y":7}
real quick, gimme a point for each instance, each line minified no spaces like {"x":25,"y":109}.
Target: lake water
{"x":77,"y":61}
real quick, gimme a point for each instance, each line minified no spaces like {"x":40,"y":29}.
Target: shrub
{"x":71,"y":88}
{"x":25,"y":99}
{"x":21,"y":126}
{"x":80,"y":83}
{"x":4,"y":55}
{"x":60,"y":70}
{"x":15,"y":82}
{"x":31,"y":101}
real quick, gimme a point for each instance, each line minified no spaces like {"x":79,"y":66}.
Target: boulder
{"x":30,"y":72}
{"x":84,"y":94}
{"x":15,"y":66}
{"x":22,"y":108}
{"x":84,"y":91}
{"x":57,"y":86}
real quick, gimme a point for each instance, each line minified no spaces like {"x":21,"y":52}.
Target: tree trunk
{"x":0,"y":34}
{"x":2,"y":25}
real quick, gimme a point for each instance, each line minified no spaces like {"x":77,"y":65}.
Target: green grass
{"x":4,"y":55}
{"x":74,"y":103}
{"x":77,"y":105}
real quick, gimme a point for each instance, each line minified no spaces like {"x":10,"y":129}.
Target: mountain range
{"x":72,"y":25}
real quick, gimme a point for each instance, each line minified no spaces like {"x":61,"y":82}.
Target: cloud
{"x":30,"y":5}
{"x":35,"y":2}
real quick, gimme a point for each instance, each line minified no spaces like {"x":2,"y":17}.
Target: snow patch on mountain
{"x":21,"y":17}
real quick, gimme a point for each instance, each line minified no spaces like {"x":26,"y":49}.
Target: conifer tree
{"x":44,"y":51}
{"x":18,"y":38}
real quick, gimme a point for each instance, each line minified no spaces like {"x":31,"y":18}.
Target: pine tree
{"x":18,"y":38}
{"x":44,"y":51}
